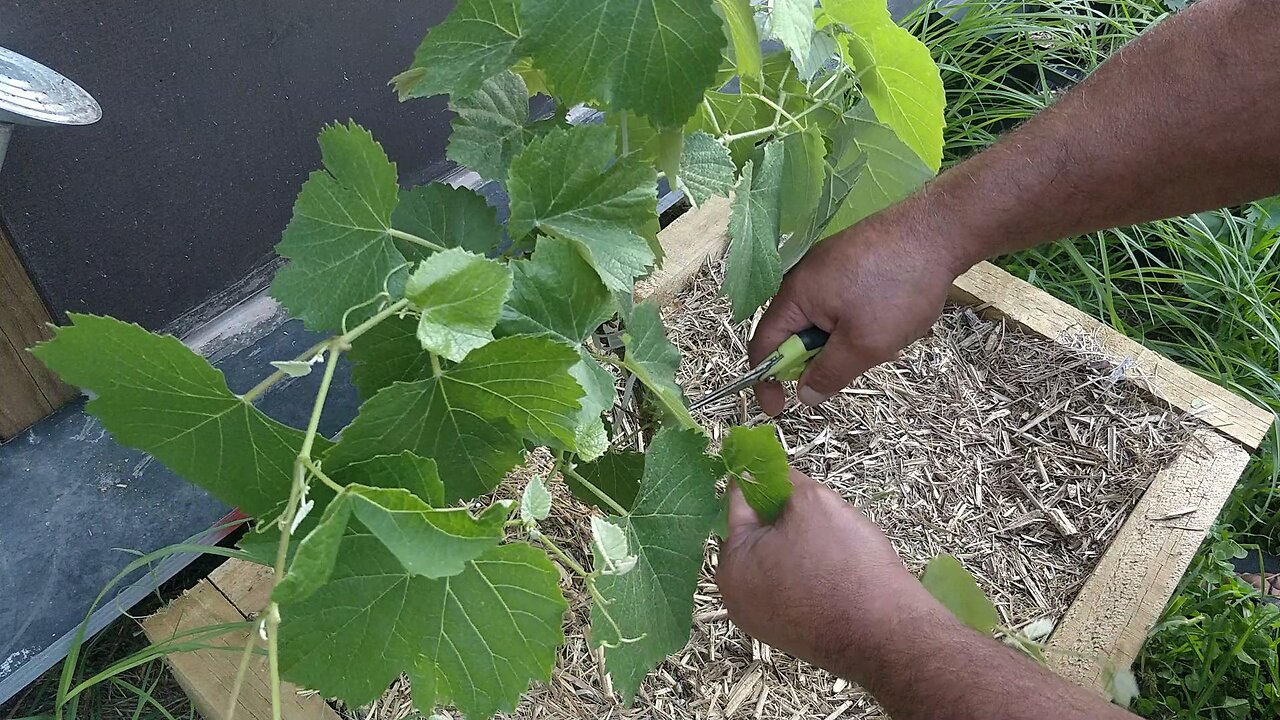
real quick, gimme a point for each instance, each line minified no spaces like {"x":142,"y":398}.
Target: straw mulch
{"x":1014,"y":453}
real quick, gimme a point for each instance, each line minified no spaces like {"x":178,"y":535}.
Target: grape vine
{"x":473,"y":341}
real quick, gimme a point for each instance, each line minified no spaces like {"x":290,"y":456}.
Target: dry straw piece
{"x":1019,"y":455}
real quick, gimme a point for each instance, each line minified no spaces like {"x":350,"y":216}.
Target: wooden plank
{"x":1043,"y":314}
{"x":247,"y":585}
{"x":687,"y":242}
{"x":208,"y":675}
{"x":1107,"y":624}
{"x":28,"y":390}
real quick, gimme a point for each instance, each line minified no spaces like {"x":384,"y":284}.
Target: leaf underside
{"x":758,"y":462}
{"x":650,"y":607}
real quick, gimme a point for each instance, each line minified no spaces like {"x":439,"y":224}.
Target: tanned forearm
{"x":929,"y":665}
{"x":1186,"y":118}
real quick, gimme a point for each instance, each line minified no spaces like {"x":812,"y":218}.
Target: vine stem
{"x":410,"y":237}
{"x":604,"y":496}
{"x":319,"y":474}
{"x":296,"y":490}
{"x":560,"y":554}
{"x":341,"y":340}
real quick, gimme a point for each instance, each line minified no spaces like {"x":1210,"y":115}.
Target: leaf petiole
{"x":560,"y":554}
{"x":319,"y":474}
{"x":568,"y":471}
{"x":411,"y":238}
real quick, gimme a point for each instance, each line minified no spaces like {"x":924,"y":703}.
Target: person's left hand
{"x":821,"y":583}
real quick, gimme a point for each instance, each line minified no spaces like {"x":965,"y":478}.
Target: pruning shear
{"x":786,"y":363}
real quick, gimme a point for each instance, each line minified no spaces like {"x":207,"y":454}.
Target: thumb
{"x":840,"y":361}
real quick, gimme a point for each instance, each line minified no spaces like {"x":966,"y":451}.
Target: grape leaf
{"x":567,"y":184}
{"x":555,"y":291}
{"x":705,"y":167}
{"x":616,"y":474}
{"x":535,"y":502}
{"x":650,"y":606}
{"x":474,"y":43}
{"x":793,"y":26}
{"x":475,"y":639}
{"x":822,"y":48}
{"x":759,"y":463}
{"x":314,"y":556}
{"x":753,"y":270}
{"x":156,"y":395}
{"x":389,"y":352}
{"x":655,"y":57}
{"x":892,"y":170}
{"x":610,"y":548}
{"x":733,"y":114}
{"x":460,"y":297}
{"x":337,"y":241}
{"x":430,"y":542}
{"x":802,"y":176}
{"x":491,"y":126}
{"x":447,"y":216}
{"x":589,"y":435}
{"x":953,"y":586}
{"x":896,"y":72}
{"x":653,"y":359}
{"x":464,"y":418}
{"x":740,"y":21}
{"x":405,"y":470}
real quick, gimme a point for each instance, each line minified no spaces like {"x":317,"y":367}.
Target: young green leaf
{"x":739,"y":20}
{"x":427,"y":541}
{"x":389,"y":352}
{"x":475,"y":639}
{"x":460,"y":297}
{"x":892,"y":170}
{"x":474,"y":43}
{"x":728,"y":114}
{"x":648,"y":608}
{"x":653,"y":359}
{"x":448,"y":217}
{"x":535,"y":503}
{"x":294,"y":368}
{"x":753,"y":270}
{"x":156,"y":395}
{"x":616,"y":474}
{"x":802,"y":176}
{"x":758,"y":462}
{"x":567,"y":184}
{"x":953,"y":586}
{"x":705,"y":167}
{"x":555,"y":291}
{"x":464,"y":418}
{"x":337,"y":241}
{"x":589,"y":436}
{"x":404,"y":470}
{"x":315,"y":556}
{"x":491,"y":126}
{"x":897,"y":74}
{"x":610,"y":549}
{"x":655,"y":58}
{"x":792,"y":25}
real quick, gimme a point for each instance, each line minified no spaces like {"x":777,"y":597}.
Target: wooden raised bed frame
{"x":1104,"y":627}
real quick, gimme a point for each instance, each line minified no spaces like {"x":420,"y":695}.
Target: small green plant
{"x":472,"y":341}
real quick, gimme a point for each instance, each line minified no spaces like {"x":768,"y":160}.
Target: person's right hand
{"x":875,"y":287}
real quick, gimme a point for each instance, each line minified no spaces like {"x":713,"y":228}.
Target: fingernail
{"x":810,"y":397}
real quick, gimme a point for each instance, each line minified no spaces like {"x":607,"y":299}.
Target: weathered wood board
{"x":28,"y":390}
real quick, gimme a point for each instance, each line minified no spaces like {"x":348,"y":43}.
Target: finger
{"x":840,"y":361}
{"x":780,"y":321}
{"x":742,"y":519}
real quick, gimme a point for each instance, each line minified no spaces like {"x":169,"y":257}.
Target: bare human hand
{"x":875,"y":287}
{"x":822,"y":582}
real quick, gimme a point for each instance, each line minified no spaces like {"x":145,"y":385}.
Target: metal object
{"x":785,"y":363}
{"x":32,"y":94}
